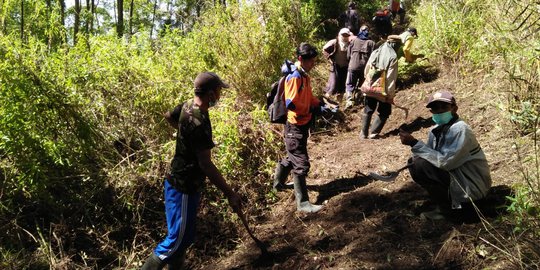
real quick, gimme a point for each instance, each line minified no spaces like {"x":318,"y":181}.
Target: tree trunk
{"x":88,"y":18}
{"x":153,"y":19}
{"x":2,"y":19}
{"x":90,"y":9}
{"x":77,"y":20}
{"x":168,"y":22}
{"x":50,"y":35}
{"x":62,"y":12}
{"x":120,"y":22}
{"x":62,"y":36}
{"x":131,"y":6}
{"x":22,"y":20}
{"x":93,"y":12}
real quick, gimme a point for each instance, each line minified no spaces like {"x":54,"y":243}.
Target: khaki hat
{"x":442,"y":96}
{"x":345,"y":31}
{"x":208,"y":81}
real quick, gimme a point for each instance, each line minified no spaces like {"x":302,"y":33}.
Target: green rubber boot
{"x":153,"y":263}
{"x":280,"y":176}
{"x":366,"y":120}
{"x":378,"y":125}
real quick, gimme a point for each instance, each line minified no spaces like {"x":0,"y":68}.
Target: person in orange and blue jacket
{"x":301,"y":105}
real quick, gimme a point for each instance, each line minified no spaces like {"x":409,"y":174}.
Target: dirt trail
{"x":369,"y":224}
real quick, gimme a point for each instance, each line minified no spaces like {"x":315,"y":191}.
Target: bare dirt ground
{"x":368,"y":224}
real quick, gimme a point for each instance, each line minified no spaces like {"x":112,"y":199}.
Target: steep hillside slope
{"x":369,"y":224}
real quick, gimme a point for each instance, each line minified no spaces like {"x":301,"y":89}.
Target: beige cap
{"x":345,"y":32}
{"x":442,"y":96}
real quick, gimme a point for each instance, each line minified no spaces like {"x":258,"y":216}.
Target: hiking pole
{"x":258,"y":242}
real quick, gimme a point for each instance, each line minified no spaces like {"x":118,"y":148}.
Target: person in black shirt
{"x":350,"y":18}
{"x":189,"y":168}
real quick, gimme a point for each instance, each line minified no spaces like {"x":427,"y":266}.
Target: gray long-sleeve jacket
{"x":459,"y":153}
{"x":385,"y":58}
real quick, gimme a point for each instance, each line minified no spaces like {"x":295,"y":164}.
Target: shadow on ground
{"x":338,"y":186}
{"x":420,"y":72}
{"x":380,"y":229}
{"x":416,"y":125}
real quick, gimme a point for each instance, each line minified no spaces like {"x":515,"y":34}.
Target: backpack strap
{"x":301,"y":82}
{"x":281,"y":86}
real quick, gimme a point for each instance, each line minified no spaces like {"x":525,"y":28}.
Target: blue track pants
{"x":181,"y":214}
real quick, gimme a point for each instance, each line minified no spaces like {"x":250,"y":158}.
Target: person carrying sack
{"x":397,"y":8}
{"x":379,"y":87}
{"x":382,"y":21}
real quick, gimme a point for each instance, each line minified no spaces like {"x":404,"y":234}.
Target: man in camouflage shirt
{"x":189,"y":168}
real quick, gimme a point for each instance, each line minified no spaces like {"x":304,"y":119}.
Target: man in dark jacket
{"x":383,"y":23}
{"x":350,"y":18}
{"x":358,"y":54}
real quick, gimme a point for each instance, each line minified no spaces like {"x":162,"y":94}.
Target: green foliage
{"x":85,"y":121}
{"x":456,"y":29}
{"x":502,"y":39}
{"x":225,"y":127}
{"x":525,"y":211}
{"x":526,"y":117}
{"x":42,"y":129}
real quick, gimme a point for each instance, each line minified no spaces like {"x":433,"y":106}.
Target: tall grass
{"x":83,"y":142}
{"x":502,"y":40}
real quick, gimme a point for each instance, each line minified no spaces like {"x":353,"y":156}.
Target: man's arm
{"x":407,"y":138}
{"x":349,"y":50}
{"x":173,"y":122}
{"x":210,"y":170}
{"x":458,"y":146}
{"x":173,"y":116}
{"x":329,"y":48}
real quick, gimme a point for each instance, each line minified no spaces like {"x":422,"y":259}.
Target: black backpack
{"x":275,"y":99}
{"x":364,"y":54}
